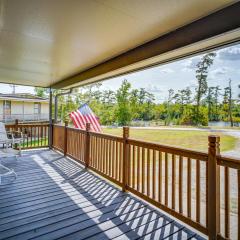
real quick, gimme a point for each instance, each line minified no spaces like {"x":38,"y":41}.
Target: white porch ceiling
{"x":45,"y":41}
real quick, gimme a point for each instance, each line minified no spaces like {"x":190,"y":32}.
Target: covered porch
{"x":151,"y":191}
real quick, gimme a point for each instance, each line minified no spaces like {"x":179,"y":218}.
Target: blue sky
{"x":176,"y":75}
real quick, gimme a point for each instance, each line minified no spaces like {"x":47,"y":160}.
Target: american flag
{"x":85,"y":115}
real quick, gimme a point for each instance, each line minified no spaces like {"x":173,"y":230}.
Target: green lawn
{"x":197,"y":140}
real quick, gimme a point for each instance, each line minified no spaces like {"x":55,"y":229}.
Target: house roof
{"x":62,"y":43}
{"x":26,"y":97}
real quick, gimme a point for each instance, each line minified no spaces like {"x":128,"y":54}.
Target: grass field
{"x":197,"y":140}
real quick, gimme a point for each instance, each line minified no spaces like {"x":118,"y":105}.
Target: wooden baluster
{"x":138,"y":168}
{"x":143,"y":170}
{"x":27,"y":130}
{"x":173,"y":180}
{"x":166,"y":179}
{"x":35,"y":136}
{"x":148,"y":172}
{"x":65,"y":138}
{"x":160,"y":176}
{"x":106,"y":156}
{"x":189,"y":188}
{"x":100,"y":155}
{"x":87,"y":145}
{"x":37,"y":133}
{"x":41,"y":135}
{"x":227,"y":204}
{"x":97,"y":152}
{"x":117,"y":162}
{"x":121,"y":161}
{"x":129,"y":182}
{"x":198,"y":190}
{"x":16,"y":129}
{"x":91,"y":162}
{"x":133,"y":166}
{"x":113,"y":160}
{"x":31,"y":135}
{"x":213,"y":188}
{"x":180,"y":183}
{"x":125,"y":157}
{"x":109,"y":157}
{"x":154,"y":174}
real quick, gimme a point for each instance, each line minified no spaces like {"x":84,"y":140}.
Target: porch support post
{"x":55,"y":109}
{"x":50,"y":133}
{"x":213,"y":188}
{"x":87,"y":146}
{"x":125,"y":157}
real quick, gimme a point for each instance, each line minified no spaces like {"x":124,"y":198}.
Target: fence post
{"x":87,"y":146}
{"x":213,"y":187}
{"x":65,"y":138}
{"x":125,"y":157}
{"x":16,"y":125}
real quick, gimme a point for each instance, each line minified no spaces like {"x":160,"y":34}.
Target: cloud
{"x":230,"y":54}
{"x":188,"y":65}
{"x":219,"y":71}
{"x":155,"y":89}
{"x":166,"y":70}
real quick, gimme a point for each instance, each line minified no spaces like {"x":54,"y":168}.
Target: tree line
{"x":182,"y":107}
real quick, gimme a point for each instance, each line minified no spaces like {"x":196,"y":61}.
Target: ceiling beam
{"x":217,"y":23}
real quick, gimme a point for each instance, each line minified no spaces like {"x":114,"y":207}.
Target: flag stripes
{"x":85,"y":115}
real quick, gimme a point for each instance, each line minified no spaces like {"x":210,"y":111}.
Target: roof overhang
{"x":67,"y":43}
{"x":211,"y":32}
{"x":23,"y":100}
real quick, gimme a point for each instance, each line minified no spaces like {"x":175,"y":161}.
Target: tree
{"x":123,"y":112}
{"x":201,"y":75}
{"x":229,"y":101}
{"x":41,"y":92}
{"x":183,"y":97}
{"x":169,"y":102}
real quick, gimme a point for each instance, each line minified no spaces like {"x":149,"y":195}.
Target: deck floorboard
{"x":55,"y":198}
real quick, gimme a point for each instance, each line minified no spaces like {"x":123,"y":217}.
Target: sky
{"x":176,"y":75}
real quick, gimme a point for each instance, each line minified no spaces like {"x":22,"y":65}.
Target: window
{"x":37,"y":108}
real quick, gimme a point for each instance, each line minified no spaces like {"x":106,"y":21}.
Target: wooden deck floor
{"x":54,"y":198}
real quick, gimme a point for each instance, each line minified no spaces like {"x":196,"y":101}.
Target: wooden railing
{"x":35,"y":135}
{"x":195,"y":187}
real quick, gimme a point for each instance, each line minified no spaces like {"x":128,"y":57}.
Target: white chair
{"x":8,"y":139}
{"x":7,"y":175}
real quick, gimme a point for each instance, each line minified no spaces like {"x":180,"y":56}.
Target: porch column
{"x":50,"y":133}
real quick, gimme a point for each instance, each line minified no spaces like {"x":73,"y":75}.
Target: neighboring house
{"x":24,"y":107}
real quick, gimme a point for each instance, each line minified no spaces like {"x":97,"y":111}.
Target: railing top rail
{"x":108,"y":136}
{"x":228,"y":162}
{"x":170,"y":149}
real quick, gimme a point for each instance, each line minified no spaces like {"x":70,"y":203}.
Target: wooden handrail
{"x":155,"y":172}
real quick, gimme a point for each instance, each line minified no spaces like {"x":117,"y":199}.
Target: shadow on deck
{"x":55,"y":198}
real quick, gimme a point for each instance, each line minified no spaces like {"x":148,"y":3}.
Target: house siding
{"x":18,"y":108}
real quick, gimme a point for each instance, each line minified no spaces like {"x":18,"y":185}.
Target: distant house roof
{"x":26,"y":97}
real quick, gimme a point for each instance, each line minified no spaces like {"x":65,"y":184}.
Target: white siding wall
{"x":16,"y":107}
{"x":28,"y":108}
{"x":1,"y":107}
{"x":1,"y":110}
{"x":44,"y":108}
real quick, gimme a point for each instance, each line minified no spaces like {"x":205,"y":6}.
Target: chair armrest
{"x":16,"y":134}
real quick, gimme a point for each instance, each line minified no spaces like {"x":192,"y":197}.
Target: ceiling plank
{"x":217,"y":23}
